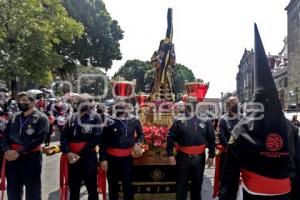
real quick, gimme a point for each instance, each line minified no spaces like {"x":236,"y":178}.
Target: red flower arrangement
{"x":156,"y":135}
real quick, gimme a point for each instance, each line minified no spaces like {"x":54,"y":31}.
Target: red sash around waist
{"x":2,"y":181}
{"x":64,"y":169}
{"x":64,"y":172}
{"x":118,"y":152}
{"x":19,"y":146}
{"x":76,"y":147}
{"x":265,"y":185}
{"x":193,"y":150}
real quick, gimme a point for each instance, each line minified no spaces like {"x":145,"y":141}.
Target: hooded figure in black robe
{"x":265,"y":147}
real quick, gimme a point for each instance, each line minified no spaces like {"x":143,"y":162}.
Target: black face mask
{"x":84,"y":108}
{"x":100,"y":111}
{"x":119,"y":113}
{"x":24,"y":106}
{"x":120,"y":110}
{"x":235,"y":109}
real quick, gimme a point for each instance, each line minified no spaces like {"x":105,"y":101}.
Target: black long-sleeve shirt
{"x":191,"y":132}
{"x":120,"y":134}
{"x":29,"y":131}
{"x":86,"y":128}
{"x":227,"y":124}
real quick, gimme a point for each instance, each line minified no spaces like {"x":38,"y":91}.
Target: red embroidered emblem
{"x":274,"y":142}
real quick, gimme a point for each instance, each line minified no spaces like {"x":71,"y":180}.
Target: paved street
{"x":50,"y":180}
{"x":51,"y":173}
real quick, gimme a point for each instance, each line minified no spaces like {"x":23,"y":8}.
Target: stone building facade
{"x":279,"y":67}
{"x":293,"y":41}
{"x":244,"y":78}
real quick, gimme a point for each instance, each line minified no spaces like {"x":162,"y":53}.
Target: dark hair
{"x":26,"y":94}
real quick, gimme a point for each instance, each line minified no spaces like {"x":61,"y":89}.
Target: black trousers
{"x":84,"y":170}
{"x":120,"y":169}
{"x":247,"y":196}
{"x":189,"y":168}
{"x":25,"y":171}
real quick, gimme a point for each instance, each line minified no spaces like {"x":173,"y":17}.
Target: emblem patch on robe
{"x":202,"y":125}
{"x":274,"y":142}
{"x":29,"y":130}
{"x":87,"y":129}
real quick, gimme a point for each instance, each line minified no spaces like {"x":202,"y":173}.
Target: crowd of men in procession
{"x":264,"y":153}
{"x":26,"y":130}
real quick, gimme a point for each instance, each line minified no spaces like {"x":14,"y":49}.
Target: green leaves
{"x":135,"y":69}
{"x":182,"y":75}
{"x":143,"y":72}
{"x":101,"y":37}
{"x":29,"y":29}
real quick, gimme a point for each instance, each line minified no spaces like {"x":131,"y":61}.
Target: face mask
{"x":84,"y":108}
{"x":100,"y":111}
{"x":24,"y":106}
{"x":120,"y":111}
{"x":234,"y":109}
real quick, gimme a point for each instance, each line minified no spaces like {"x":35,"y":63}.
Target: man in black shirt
{"x":228,"y":121}
{"x":24,"y":134}
{"x":192,"y":135}
{"x":116,"y":148}
{"x":226,"y":124}
{"x":78,"y":142}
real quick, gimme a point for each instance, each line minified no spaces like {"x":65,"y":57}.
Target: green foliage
{"x":143,"y":72}
{"x":99,"y":45}
{"x":182,"y":75}
{"x":135,"y":69}
{"x":92,"y":85}
{"x":29,"y":29}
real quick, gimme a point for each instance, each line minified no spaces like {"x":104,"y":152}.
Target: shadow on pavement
{"x":55,"y":195}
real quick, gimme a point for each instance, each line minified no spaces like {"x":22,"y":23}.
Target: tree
{"x":99,"y":45}
{"x":29,"y":29}
{"x":143,"y":72}
{"x":182,"y":75}
{"x":91,"y":85}
{"x":135,"y":69}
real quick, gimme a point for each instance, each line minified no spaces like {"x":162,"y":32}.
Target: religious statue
{"x":164,"y":61}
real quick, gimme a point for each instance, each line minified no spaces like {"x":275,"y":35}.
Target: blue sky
{"x":210,"y":36}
